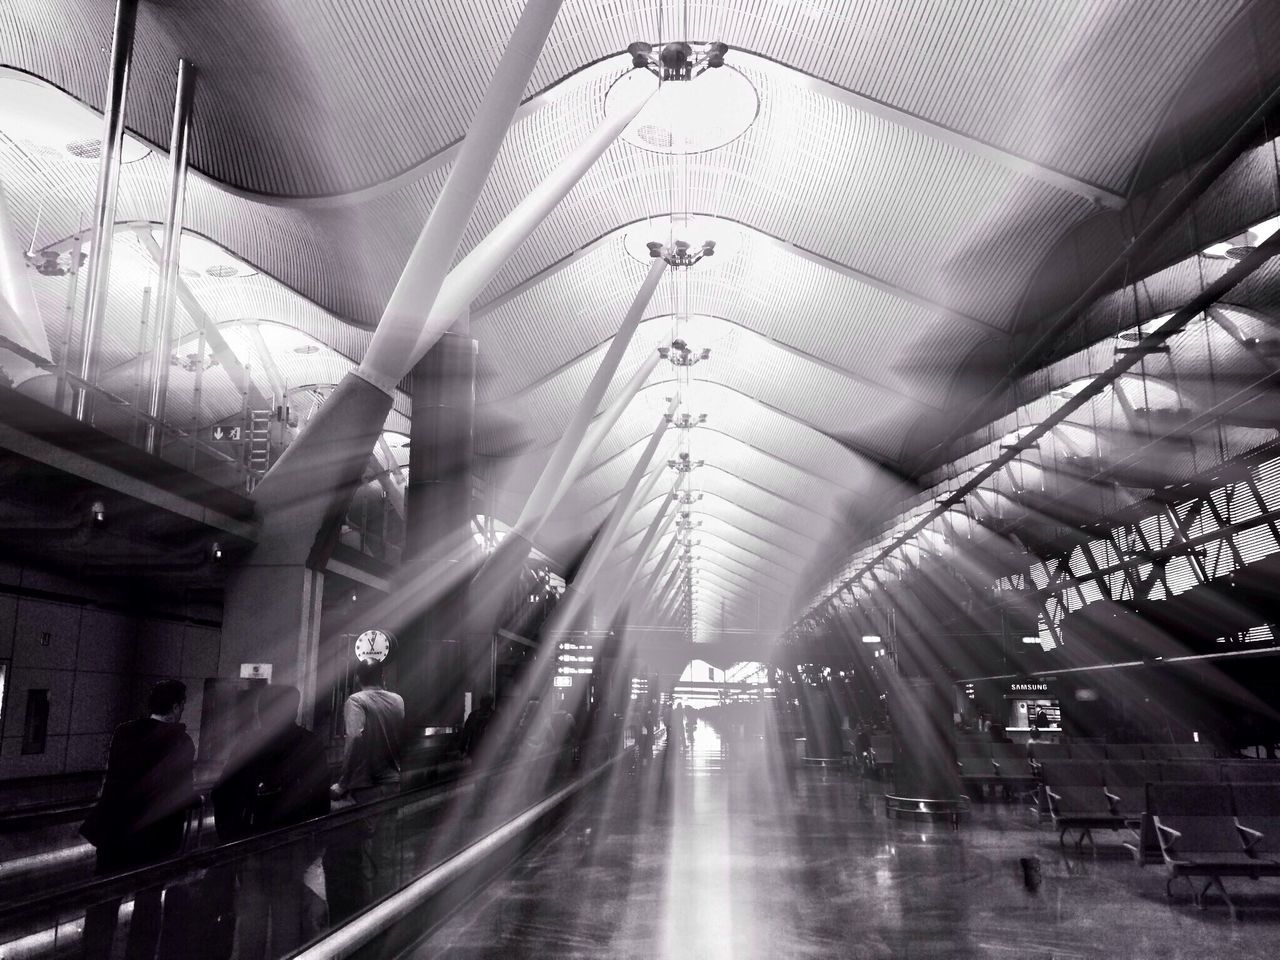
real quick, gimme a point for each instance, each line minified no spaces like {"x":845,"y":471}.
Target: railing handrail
{"x":102,"y":888}
{"x":119,"y":401}
{"x":349,"y":937}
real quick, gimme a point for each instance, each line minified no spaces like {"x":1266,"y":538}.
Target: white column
{"x":601,"y":426}
{"x":388,"y":357}
{"x":544,"y":496}
{"x":468,"y":278}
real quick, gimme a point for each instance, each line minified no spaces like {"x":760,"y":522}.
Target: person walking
{"x":374,"y":719}
{"x":140,"y":816}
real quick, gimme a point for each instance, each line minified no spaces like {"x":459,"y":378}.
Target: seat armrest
{"x":1166,"y":835}
{"x":1113,"y":800}
{"x":1248,"y":836}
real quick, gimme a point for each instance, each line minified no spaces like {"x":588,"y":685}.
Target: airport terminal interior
{"x":664,"y":479}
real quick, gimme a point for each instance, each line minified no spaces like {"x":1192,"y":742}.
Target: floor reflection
{"x":725,"y":850}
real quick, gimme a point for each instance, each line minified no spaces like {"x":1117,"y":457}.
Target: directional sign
{"x":226,"y":434}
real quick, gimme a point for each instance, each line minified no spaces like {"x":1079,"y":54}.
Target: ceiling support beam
{"x":1013,"y":162}
{"x":1158,"y":337}
{"x":218,"y":346}
{"x":843,"y":269}
{"x":771,"y":341}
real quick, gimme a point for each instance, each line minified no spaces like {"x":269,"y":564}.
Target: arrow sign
{"x":226,"y":434}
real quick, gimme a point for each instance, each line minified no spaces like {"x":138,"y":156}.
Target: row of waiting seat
{"x":1214,"y":830}
{"x":1084,"y":794}
{"x":1016,"y":767}
{"x":1120,"y":751}
{"x":1202,"y":818}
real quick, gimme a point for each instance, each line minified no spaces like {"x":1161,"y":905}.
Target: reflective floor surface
{"x":722,"y":850}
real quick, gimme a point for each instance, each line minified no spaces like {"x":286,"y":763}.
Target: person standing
{"x":282,"y":779}
{"x":476,"y":724}
{"x":140,"y":816}
{"x":374,"y":719}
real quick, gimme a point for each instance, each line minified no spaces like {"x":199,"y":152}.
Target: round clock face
{"x":373,"y":645}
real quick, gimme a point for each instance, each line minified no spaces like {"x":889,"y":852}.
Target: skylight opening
{"x":687,"y":116}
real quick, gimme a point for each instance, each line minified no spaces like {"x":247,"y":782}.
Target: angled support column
{"x":575,"y":595}
{"x":503,"y":564}
{"x":304,"y":497}
{"x":394,"y":348}
{"x":19,"y":315}
{"x":542,"y":499}
{"x":469,"y":277}
{"x":625,"y":584}
{"x":603,"y":424}
{"x":626,"y":503}
{"x":652,"y":577}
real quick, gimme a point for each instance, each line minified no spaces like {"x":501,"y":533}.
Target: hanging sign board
{"x":221,"y":433}
{"x":255,"y":671}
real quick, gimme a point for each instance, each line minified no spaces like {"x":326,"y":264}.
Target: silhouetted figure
{"x":477,"y":723}
{"x":140,"y":815}
{"x":374,"y":720}
{"x":648,"y":730}
{"x":281,"y":779}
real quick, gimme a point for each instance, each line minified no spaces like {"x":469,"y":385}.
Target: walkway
{"x":728,"y":852}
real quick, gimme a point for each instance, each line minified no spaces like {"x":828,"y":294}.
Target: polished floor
{"x":725,"y":851}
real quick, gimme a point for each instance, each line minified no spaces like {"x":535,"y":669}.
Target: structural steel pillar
{"x":304,"y":498}
{"x":433,"y":661}
{"x":104,"y":207}
{"x":174,"y":214}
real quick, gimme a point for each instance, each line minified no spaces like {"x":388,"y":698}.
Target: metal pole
{"x":197,"y":395}
{"x":104,"y":210}
{"x":69,"y":323}
{"x":179,"y":144}
{"x":139,"y":366}
{"x":660,"y":523}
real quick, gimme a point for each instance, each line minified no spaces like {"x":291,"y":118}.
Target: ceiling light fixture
{"x":681,"y":356}
{"x":701,"y":104}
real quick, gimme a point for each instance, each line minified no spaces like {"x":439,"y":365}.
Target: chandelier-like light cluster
{"x":702,"y":103}
{"x":681,"y":356}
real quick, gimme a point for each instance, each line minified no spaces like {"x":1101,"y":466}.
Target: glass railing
{"x":267,"y":895}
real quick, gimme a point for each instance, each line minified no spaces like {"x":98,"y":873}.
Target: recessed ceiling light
{"x":307,"y":349}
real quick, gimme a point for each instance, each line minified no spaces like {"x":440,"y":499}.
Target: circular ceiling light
{"x":307,"y":349}
{"x":687,"y":116}
{"x":695,"y":230}
{"x":33,"y":112}
{"x":198,"y":257}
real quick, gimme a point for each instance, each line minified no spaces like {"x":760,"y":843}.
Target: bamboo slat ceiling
{"x":911,"y":164}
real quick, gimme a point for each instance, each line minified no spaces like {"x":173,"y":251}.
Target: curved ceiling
{"x":911,"y":164}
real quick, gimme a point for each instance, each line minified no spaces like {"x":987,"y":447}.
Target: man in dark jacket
{"x":281,"y":778}
{"x":141,"y":814}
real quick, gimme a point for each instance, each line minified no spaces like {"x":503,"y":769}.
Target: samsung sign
{"x":1028,"y":688}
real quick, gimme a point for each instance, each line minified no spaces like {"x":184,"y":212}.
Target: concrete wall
{"x":97,"y":657}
